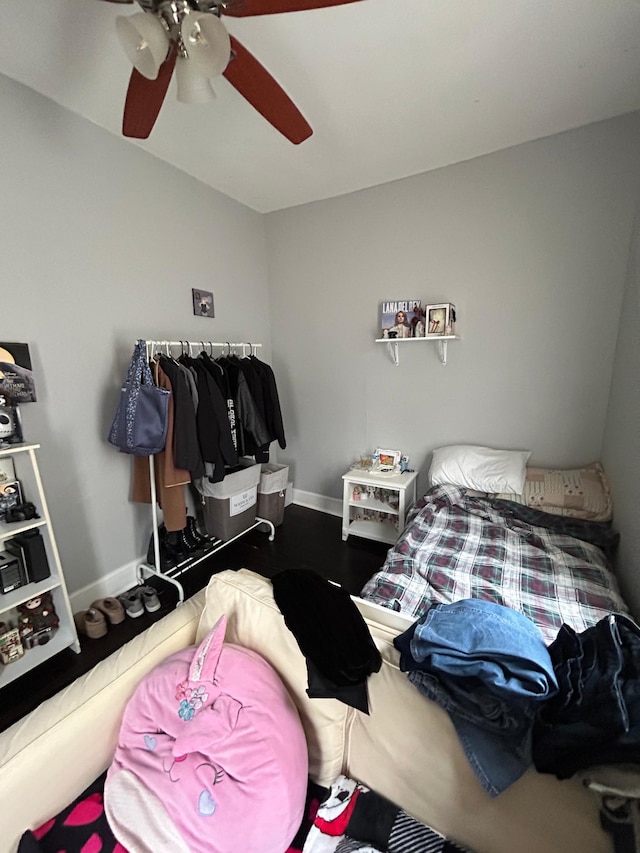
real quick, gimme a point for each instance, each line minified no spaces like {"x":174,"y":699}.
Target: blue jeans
{"x":595,"y":717}
{"x":488,"y":667}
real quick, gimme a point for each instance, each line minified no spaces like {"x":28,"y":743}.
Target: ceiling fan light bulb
{"x":145,"y":41}
{"x":193,"y":87}
{"x":207,"y":42}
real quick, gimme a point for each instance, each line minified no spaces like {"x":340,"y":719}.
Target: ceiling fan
{"x":188,"y":36}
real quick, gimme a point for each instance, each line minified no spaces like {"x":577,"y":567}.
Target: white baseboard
{"x":332,"y":506}
{"x":114,"y":583}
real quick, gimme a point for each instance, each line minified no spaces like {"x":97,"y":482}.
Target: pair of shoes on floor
{"x":139,"y":599}
{"x":176,"y":546}
{"x":94,"y":622}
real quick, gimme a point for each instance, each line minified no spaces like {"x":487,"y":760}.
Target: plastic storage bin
{"x":271,"y":492}
{"x":230,"y":506}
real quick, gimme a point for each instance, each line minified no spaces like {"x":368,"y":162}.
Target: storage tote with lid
{"x":230,"y":506}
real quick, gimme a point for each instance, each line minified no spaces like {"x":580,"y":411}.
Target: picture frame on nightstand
{"x":387,"y":461}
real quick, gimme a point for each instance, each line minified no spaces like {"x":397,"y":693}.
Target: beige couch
{"x":406,"y":749}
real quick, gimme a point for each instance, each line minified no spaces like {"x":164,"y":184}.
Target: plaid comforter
{"x":553,"y":569}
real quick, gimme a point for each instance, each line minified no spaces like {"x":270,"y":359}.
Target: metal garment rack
{"x":171,"y":575}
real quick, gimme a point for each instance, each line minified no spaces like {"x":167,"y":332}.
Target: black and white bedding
{"x":554,"y":569}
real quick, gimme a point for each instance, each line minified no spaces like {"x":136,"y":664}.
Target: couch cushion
{"x":255,"y":621}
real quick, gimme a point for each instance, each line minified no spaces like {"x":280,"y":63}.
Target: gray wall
{"x":621,"y":449}
{"x":531,"y":245}
{"x":101,"y":244}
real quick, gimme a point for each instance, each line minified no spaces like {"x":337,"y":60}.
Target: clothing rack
{"x":171,"y":574}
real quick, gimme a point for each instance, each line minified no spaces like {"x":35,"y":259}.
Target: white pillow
{"x":479,"y":468}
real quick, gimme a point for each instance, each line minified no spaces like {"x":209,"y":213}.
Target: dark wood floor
{"x":306,"y":540}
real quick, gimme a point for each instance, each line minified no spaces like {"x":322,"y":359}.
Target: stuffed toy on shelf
{"x":37,"y":620}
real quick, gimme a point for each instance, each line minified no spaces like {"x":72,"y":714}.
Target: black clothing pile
{"x":332,"y":635}
{"x":595,"y":716}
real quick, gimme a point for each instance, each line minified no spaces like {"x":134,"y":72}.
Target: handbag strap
{"x":139,"y":370}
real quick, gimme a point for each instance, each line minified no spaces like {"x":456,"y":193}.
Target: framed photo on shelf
{"x":441,"y":319}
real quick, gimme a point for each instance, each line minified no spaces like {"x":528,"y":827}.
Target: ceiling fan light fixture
{"x":207,"y":43}
{"x":193,"y":86}
{"x":145,"y":41}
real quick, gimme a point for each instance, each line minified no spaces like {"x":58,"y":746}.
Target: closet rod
{"x":202,"y":343}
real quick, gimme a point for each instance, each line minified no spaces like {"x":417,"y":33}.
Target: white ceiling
{"x":391,"y":87}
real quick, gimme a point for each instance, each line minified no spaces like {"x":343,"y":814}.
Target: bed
{"x":545,"y":551}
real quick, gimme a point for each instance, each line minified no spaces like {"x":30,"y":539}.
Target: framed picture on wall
{"x":202,"y":303}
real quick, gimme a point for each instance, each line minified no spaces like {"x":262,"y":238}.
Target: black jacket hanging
{"x":273,"y":414}
{"x":214,"y":431}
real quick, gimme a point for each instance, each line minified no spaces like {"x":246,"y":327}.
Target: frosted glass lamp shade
{"x":145,"y":41}
{"x":207,"y":42}
{"x":193,"y":87}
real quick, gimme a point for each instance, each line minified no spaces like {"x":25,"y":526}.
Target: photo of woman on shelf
{"x":402,"y":318}
{"x":400,"y":328}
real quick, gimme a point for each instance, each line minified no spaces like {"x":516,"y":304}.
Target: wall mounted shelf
{"x":441,"y":340}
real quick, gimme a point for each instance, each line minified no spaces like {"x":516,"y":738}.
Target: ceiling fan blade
{"x":254,"y":83}
{"x":244,"y":8}
{"x":144,"y":99}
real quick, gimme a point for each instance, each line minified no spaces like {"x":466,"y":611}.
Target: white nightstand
{"x":375,"y":505}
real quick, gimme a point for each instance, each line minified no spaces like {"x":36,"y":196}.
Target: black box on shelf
{"x":29,"y":546}
{"x":12,"y":574}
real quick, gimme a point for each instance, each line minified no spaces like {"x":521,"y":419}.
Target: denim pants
{"x":474,"y":641}
{"x":488,"y":667}
{"x":595,"y":717}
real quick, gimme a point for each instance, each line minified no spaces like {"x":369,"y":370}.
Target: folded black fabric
{"x":319,"y":687}
{"x":373,"y":819}
{"x":327,"y":625}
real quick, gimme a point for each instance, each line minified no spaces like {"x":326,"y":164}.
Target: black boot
{"x":165,"y":560}
{"x":175,"y":548}
{"x":194,"y":534}
{"x":192,"y":548}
